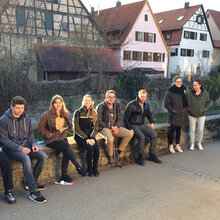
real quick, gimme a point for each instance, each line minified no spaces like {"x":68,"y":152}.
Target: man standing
{"x":134,"y":119}
{"x":109,"y":120}
{"x":18,"y":142}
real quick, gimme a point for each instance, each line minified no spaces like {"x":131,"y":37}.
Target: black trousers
{"x":170,"y":135}
{"x":68,"y":154}
{"x":92,"y":153}
{"x":6,"y":168}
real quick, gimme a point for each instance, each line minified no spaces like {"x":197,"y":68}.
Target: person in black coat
{"x":176,"y":104}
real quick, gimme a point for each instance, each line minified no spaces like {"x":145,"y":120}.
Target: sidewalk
{"x":186,"y":186}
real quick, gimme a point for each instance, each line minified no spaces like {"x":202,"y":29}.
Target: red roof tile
{"x":121,"y":18}
{"x":62,"y":58}
{"x":216,"y":17}
{"x":170,"y":17}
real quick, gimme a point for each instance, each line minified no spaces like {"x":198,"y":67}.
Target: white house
{"x":188,"y":37}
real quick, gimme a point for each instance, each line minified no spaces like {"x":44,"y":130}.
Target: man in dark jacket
{"x":109,"y":121}
{"x":134,"y":119}
{"x":18,"y":142}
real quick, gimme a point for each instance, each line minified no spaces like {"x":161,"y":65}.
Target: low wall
{"x":52,"y":168}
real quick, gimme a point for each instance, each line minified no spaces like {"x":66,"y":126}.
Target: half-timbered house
{"x":24,"y":23}
{"x":188,"y":37}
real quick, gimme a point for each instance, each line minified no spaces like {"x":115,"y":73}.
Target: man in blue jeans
{"x":18,"y":142}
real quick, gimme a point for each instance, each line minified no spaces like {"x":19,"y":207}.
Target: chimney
{"x":186,"y":5}
{"x":118,"y":4}
{"x":92,"y":11}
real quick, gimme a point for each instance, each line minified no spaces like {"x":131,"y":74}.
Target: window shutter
{"x":48,"y":20}
{"x":136,"y":36}
{"x":20,"y":16}
{"x":145,"y":37}
{"x":154,"y":38}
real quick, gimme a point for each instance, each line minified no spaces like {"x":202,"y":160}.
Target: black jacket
{"x":84,"y":126}
{"x":177,"y":114}
{"x":102,"y":110}
{"x":134,"y":116}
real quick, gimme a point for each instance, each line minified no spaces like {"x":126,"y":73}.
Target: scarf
{"x":181,"y":91}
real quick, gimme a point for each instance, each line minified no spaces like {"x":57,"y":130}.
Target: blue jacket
{"x":16,"y":133}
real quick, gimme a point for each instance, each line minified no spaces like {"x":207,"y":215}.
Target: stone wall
{"x":53,"y":166}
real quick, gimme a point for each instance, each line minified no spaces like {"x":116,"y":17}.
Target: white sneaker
{"x":192,"y":147}
{"x":171,"y":149}
{"x":200,"y":146}
{"x":178,"y":148}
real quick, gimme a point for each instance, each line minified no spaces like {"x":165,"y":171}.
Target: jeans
{"x":92,"y":153}
{"x":140,"y":131}
{"x":68,"y":154}
{"x":123,"y":133}
{"x":192,"y":128}
{"x":31,"y":177}
{"x":170,"y":135}
{"x":6,"y":168}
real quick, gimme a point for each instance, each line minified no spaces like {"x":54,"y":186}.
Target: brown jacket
{"x":47,"y":128}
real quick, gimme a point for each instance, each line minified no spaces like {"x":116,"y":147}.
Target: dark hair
{"x":18,"y":100}
{"x":199,"y":81}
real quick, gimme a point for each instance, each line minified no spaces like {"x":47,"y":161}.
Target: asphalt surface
{"x":185,"y":186}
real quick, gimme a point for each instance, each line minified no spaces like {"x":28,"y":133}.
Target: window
{"x":190,"y":35}
{"x":157,"y":57}
{"x":205,"y":53}
{"x":138,"y":36}
{"x":39,"y":40}
{"x":149,"y":37}
{"x":180,"y":18}
{"x":146,"y":17}
{"x":160,"y":21}
{"x":168,"y":36}
{"x":137,"y":55}
{"x":203,"y":37}
{"x":54,"y":1}
{"x":20,"y":16}
{"x":64,"y":26}
{"x":174,"y":52}
{"x":147,"y":56}
{"x":200,"y":19}
{"x":127,"y":55}
{"x":187,"y":52}
{"x":48,"y":20}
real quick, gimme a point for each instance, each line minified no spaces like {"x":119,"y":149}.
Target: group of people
{"x":18,"y":142}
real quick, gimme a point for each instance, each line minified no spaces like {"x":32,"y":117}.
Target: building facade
{"x":135,"y":37}
{"x":188,"y":37}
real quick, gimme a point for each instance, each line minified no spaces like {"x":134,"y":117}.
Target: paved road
{"x":186,"y":186}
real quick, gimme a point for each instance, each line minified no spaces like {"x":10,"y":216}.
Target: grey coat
{"x":16,"y":133}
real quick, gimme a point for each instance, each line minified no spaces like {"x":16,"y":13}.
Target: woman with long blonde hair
{"x":86,"y":128}
{"x":54,"y":126}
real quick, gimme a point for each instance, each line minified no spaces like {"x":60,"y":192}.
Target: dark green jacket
{"x":197,"y":105}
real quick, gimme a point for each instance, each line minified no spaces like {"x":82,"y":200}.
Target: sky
{"x":156,"y":5}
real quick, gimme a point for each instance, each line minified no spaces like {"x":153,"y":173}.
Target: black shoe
{"x":140,"y":160}
{"x":41,"y":187}
{"x":37,"y":197}
{"x":9,"y":197}
{"x":82,"y":171}
{"x":96,"y":172}
{"x":66,"y":178}
{"x":153,"y":158}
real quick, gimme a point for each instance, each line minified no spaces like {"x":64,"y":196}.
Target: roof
{"x":119,"y":18}
{"x":170,"y":17}
{"x":216,"y":17}
{"x":216,"y":43}
{"x":62,"y":58}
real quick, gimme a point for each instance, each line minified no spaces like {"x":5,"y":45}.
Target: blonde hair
{"x":84,"y":98}
{"x":94,"y":113}
{"x":142,"y":91}
{"x":64,"y":113}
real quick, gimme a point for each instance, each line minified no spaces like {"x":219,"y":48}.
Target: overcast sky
{"x":156,"y":5}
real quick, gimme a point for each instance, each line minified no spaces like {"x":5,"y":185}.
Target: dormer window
{"x":160,"y":21}
{"x":180,"y":18}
